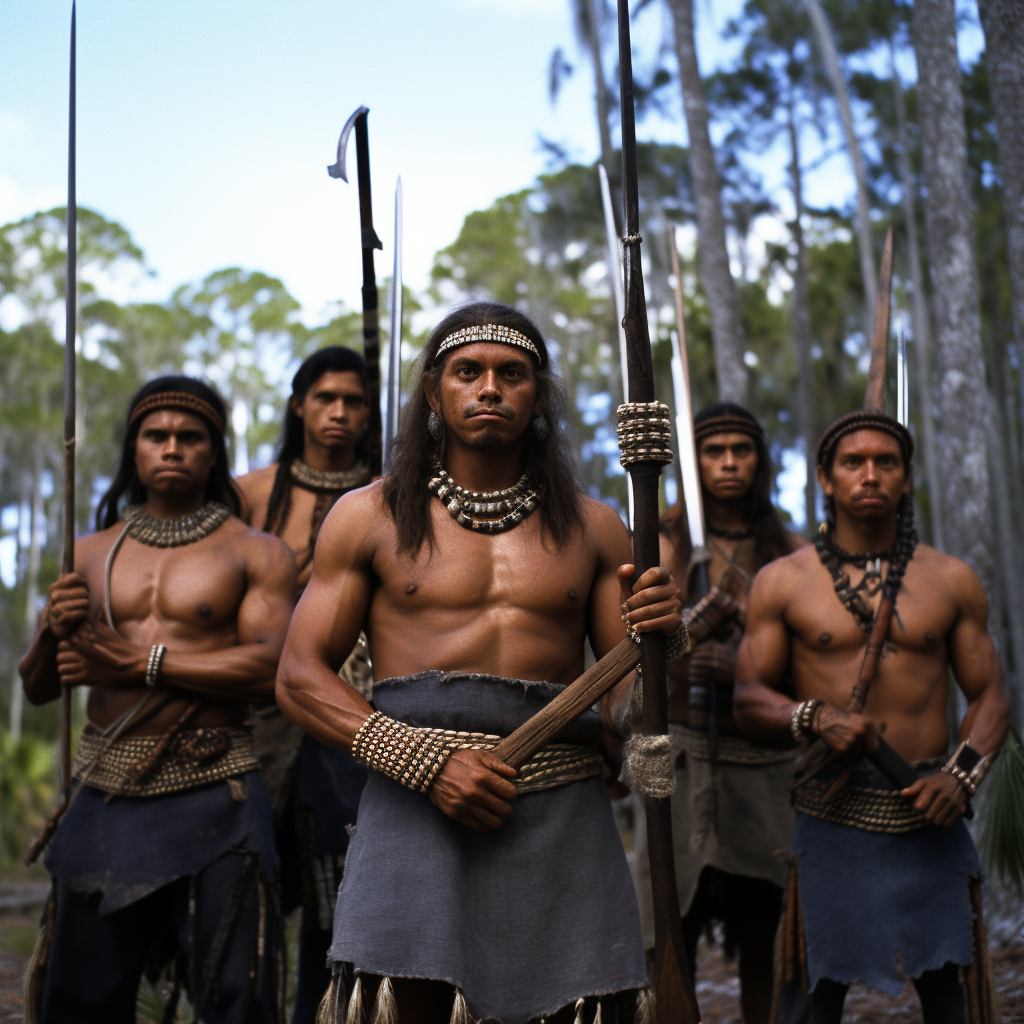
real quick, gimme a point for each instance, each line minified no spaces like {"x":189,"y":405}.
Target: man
{"x":174,"y":619}
{"x":882,"y":881}
{"x":477,"y":606}
{"x":730,"y":812}
{"x":314,"y":789}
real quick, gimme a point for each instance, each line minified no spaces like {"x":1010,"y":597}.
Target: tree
{"x":954,"y":286}
{"x":716,"y":277}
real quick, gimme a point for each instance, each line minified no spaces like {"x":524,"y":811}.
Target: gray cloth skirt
{"x":881,"y":907}
{"x":523,"y":920}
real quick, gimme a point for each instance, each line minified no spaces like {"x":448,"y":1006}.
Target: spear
{"x":676,"y":1000}
{"x":70,"y":332}
{"x":370,"y":241}
{"x":395,"y":344}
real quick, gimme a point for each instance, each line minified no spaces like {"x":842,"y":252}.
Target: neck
{"x":328,"y":460}
{"x":488,"y":469}
{"x":859,"y":535}
{"x":173,"y":506}
{"x":732,"y":514}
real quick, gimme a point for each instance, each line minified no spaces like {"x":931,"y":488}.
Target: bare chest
{"x":200,"y":584}
{"x":521,"y":569}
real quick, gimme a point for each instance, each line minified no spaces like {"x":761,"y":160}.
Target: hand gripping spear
{"x":370,"y":241}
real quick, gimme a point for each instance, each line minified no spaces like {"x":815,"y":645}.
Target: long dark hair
{"x":126,"y":483}
{"x":334,"y":358}
{"x":548,"y":461}
{"x":771,"y":540}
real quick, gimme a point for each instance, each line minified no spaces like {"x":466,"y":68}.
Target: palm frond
{"x":1002,"y":835}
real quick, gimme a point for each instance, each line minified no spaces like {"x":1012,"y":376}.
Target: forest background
{"x":778,"y":290}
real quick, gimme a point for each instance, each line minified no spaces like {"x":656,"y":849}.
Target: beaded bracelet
{"x":802,"y":719}
{"x":676,"y":644}
{"x":156,"y":659}
{"x":411,"y":756}
{"x":968,"y":767}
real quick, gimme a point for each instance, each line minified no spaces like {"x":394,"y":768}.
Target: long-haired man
{"x":730,"y":811}
{"x":174,"y":619}
{"x":479,"y":569}
{"x":314,"y":789}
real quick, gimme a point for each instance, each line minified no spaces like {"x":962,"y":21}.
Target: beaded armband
{"x":409,"y":755}
{"x":968,"y":767}
{"x":802,"y":721}
{"x":156,"y":659}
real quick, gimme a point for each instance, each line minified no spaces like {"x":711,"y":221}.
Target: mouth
{"x":489,"y":416}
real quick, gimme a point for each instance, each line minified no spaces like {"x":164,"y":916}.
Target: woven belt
{"x":553,"y":765}
{"x":872,"y":810}
{"x":731,"y":749}
{"x":194,"y":757}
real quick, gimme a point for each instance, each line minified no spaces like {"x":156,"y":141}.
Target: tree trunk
{"x":601,"y":99}
{"x":1003,"y":24}
{"x":823,"y":32}
{"x":922,"y":328}
{"x":31,"y":583}
{"x":802,"y":329}
{"x":954,"y":287}
{"x":716,"y":277}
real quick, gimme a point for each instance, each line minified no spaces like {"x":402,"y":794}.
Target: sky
{"x":206,"y":128}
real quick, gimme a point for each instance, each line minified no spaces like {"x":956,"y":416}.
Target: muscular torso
{"x":185,"y":597}
{"x":910,"y":688}
{"x":306,"y":512}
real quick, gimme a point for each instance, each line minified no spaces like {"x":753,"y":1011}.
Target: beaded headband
{"x":727,"y":425}
{"x":177,"y":400}
{"x":489,"y":332}
{"x":864,"y":419}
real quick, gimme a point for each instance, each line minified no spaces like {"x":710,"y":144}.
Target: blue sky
{"x":206,"y":127}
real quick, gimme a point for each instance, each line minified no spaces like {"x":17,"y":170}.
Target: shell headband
{"x":489,"y":332}
{"x":177,"y":400}
{"x":727,"y":424}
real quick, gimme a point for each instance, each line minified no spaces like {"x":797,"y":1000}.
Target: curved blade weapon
{"x":370,"y":241}
{"x":395,"y":342}
{"x":676,"y":1001}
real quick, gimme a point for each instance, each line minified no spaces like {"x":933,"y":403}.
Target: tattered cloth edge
{"x":980,"y":1000}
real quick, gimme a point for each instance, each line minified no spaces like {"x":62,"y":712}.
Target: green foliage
{"x":1002,"y":835}
{"x":27,"y":773}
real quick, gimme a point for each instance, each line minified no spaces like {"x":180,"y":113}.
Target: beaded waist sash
{"x":151,"y":766}
{"x":871,"y":810}
{"x":553,"y":765}
{"x":731,"y":749}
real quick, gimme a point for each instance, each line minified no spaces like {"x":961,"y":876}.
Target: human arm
{"x":96,"y":655}
{"x":975,"y":664}
{"x":67,"y":607}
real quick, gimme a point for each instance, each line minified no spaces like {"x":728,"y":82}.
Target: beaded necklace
{"x":172,"y":533}
{"x":516,"y":502}
{"x":322,"y":480}
{"x":833,"y":557}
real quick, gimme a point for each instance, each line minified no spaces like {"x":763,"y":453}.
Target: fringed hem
{"x":344,"y":1003}
{"x":980,"y":1000}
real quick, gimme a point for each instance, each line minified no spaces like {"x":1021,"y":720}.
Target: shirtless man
{"x":730,"y":810}
{"x":314,"y":789}
{"x":876,"y":870}
{"x":477,"y":607}
{"x":169,"y":838}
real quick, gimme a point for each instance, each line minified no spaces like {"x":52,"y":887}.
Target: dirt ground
{"x":717,"y":986}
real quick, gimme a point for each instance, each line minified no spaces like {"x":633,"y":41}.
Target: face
{"x":334,"y":410}
{"x":174,"y":452}
{"x":487,"y":394}
{"x":728,"y":465}
{"x":867,"y":478}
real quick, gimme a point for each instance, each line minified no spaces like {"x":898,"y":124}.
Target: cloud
{"x":11,"y":126}
{"x":17,"y":202}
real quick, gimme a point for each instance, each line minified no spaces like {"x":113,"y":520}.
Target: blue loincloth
{"x":880,"y":907}
{"x":525,"y":919}
{"x":132,"y":846}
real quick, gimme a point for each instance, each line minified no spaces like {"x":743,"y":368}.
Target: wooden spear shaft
{"x":70,"y":333}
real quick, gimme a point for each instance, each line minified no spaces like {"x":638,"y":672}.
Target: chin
{"x":489,"y":440}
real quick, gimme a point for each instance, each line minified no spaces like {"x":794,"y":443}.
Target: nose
{"x":489,"y":385}
{"x":870,"y":475}
{"x":171,"y":449}
{"x":339,"y":411}
{"x":729,"y":462}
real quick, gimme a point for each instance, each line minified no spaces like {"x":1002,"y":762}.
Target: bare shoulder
{"x":603,"y":529}
{"x":359,"y":518}
{"x":91,"y":551}
{"x":262,"y":552}
{"x":254,"y":489}
{"x":777,"y":582}
{"x":953,"y":576}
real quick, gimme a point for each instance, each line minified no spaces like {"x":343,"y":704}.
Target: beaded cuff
{"x":968,"y":767}
{"x":409,"y":755}
{"x":156,"y":659}
{"x":802,"y":720}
